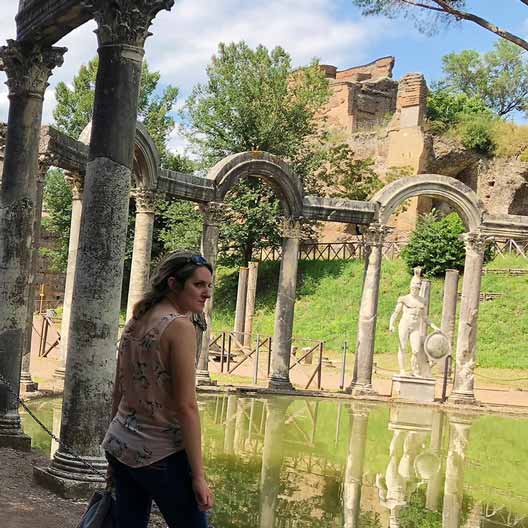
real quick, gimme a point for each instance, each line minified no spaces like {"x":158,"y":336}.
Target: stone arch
{"x":456,"y":193}
{"x":146,"y":159}
{"x":146,"y":156}
{"x":226,"y":173}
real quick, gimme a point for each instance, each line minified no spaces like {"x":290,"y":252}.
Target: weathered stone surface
{"x":413,"y":389}
{"x":284,"y":310}
{"x":258,"y":164}
{"x":47,"y":21}
{"x":144,"y":228}
{"x":94,"y":319}
{"x":28,"y":70}
{"x":209,"y":245}
{"x":251,"y":297}
{"x":338,"y":210}
{"x":368,"y":311}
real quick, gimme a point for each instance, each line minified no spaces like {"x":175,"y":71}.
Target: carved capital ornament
{"x":213,"y":213}
{"x":145,"y":200}
{"x":125,"y":22}
{"x":375,"y":234}
{"x":291,"y":228}
{"x":475,"y":242}
{"x":28,"y":68}
{"x":76,"y":183}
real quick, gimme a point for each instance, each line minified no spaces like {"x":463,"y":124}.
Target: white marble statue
{"x":412,"y":328}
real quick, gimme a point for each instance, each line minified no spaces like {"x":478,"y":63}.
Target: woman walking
{"x":153,"y":443}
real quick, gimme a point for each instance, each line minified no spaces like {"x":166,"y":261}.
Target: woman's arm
{"x":181,"y":339}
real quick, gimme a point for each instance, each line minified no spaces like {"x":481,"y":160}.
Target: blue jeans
{"x":168,"y":482}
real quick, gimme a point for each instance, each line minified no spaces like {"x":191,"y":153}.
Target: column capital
{"x":45,"y":161}
{"x":212,"y":212}
{"x":475,"y":241}
{"x":291,"y":228}
{"x":375,"y":234}
{"x":125,"y":22}
{"x":145,"y":200}
{"x":76,"y":183}
{"x":28,"y":68}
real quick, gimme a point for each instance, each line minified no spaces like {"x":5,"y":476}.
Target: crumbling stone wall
{"x":361,"y":97}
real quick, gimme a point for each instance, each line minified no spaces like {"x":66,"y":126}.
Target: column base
{"x":18,"y":442}
{"x":360,"y":390}
{"x":27,"y":384}
{"x":462,"y":398}
{"x":67,"y":488}
{"x":280,"y":384}
{"x":203,"y":378}
{"x":11,"y":433}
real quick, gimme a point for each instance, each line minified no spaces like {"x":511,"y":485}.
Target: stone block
{"x":67,"y":488}
{"x":413,"y":389}
{"x":411,"y":418}
{"x":28,"y":386}
{"x":18,"y":442}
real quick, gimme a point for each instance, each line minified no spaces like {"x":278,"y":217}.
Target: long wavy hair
{"x":179,"y":265}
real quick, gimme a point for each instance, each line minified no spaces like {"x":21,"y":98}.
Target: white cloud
{"x":185,"y":38}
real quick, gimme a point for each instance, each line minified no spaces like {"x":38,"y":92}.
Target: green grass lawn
{"x":328,"y":296}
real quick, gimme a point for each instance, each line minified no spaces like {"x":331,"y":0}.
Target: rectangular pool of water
{"x":297,"y":462}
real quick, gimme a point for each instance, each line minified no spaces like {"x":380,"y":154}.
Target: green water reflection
{"x":286,"y":462}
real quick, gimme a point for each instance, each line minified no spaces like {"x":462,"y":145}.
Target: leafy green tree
{"x":72,"y":113}
{"x":75,"y":105}
{"x":446,"y":108}
{"x":430,"y":14}
{"x":436,"y":246}
{"x":255,"y":100}
{"x":58,"y":200}
{"x":498,"y":78}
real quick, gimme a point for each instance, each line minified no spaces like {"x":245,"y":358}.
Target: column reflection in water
{"x":359,"y":415}
{"x":434,"y":486}
{"x":459,"y":426}
{"x":230,"y":422}
{"x":411,"y":463}
{"x":272,"y":456}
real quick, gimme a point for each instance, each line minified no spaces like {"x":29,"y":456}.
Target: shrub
{"x":476,"y":133}
{"x":445,"y":108}
{"x":435,"y":245}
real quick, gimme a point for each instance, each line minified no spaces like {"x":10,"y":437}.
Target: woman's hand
{"x":204,"y":496}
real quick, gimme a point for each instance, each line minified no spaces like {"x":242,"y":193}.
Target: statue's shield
{"x":436,"y":345}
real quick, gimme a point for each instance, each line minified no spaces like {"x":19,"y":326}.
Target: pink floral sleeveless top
{"x":145,"y":428}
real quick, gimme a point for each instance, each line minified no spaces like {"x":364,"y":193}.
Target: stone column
{"x":353,"y":482}
{"x":140,"y":270}
{"x":26,"y":382}
{"x":28,"y":69}
{"x":459,"y":426}
{"x":449,"y":306}
{"x":240,"y":311}
{"x":284,"y":311}
{"x":362,"y":382}
{"x":272,"y":453}
{"x":75,"y":182}
{"x":463,"y":390}
{"x":212,"y":214}
{"x":123,"y":26}
{"x":250,"y":302}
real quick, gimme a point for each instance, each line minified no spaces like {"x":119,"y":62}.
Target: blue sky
{"x":331,"y":30}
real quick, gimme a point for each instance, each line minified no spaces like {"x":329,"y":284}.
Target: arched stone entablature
{"x":146,"y":156}
{"x":226,"y":173}
{"x":146,"y":159}
{"x":457,"y":194}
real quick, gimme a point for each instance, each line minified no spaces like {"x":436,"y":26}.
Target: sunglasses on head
{"x":198,"y":260}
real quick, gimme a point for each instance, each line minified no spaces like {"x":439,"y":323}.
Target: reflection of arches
{"x":457,"y":194}
{"x":226,"y":173}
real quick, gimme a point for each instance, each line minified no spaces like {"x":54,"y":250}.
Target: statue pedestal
{"x":413,"y":389}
